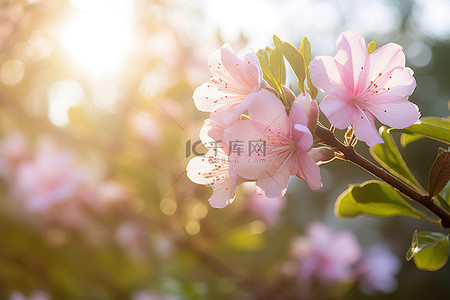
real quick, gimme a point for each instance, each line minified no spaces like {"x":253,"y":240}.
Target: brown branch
{"x":350,"y":154}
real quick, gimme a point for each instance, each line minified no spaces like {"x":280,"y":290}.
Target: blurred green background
{"x":113,"y":80}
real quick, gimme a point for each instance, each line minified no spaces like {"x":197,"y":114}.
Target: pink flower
{"x":267,"y":209}
{"x":364,"y":86}
{"x":146,"y":128}
{"x":213,"y":168}
{"x":377,"y":270}
{"x":147,"y":295}
{"x":325,"y":255}
{"x":232,"y":80}
{"x":50,"y":178}
{"x":13,"y":151}
{"x":35,"y":296}
{"x":280,"y":145}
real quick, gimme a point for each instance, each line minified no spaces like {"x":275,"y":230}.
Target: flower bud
{"x":322,"y":155}
{"x":311,"y":109}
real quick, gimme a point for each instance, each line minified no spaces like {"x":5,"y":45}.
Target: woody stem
{"x":350,"y":154}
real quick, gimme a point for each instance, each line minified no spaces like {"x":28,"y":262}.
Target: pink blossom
{"x":13,"y":151}
{"x":50,"y":178}
{"x":146,"y":295}
{"x":213,"y":168}
{"x":377,"y":270}
{"x":325,"y":255}
{"x":267,"y":209}
{"x":106,"y":195}
{"x":287,"y":140}
{"x":35,"y":296}
{"x":232,"y":80}
{"x":132,"y":237}
{"x":146,"y":128}
{"x":362,"y":87}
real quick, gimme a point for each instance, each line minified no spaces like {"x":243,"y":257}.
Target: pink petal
{"x":245,"y":165}
{"x":222,"y":196}
{"x":400,"y":83}
{"x":238,"y":110}
{"x":311,"y":109}
{"x":364,"y":126}
{"x":302,"y":137}
{"x":325,"y":74}
{"x":275,"y":184}
{"x":395,"y":112}
{"x":299,"y":110}
{"x":352,"y":54}
{"x":208,"y":98}
{"x":385,"y":59}
{"x":244,"y":72}
{"x":309,"y":170}
{"x":196,"y":169}
{"x":268,"y":110}
{"x":338,"y":110}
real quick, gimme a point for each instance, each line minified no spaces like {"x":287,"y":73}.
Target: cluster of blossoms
{"x":252,"y":135}
{"x":336,"y":257}
{"x":51,"y":184}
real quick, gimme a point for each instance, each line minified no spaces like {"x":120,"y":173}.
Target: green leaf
{"x":431,"y":127}
{"x":371,"y":47}
{"x":388,"y":155}
{"x":297,"y":63}
{"x":277,"y":65}
{"x":312,"y":89}
{"x":439,"y":174}
{"x":305,"y":50}
{"x":267,"y":72}
{"x":429,"y":250}
{"x":276,"y":41}
{"x":374,"y":198}
{"x":444,"y":197}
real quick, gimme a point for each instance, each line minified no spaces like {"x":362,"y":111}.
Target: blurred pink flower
{"x":287,"y":141}
{"x":146,"y":128}
{"x":104,"y":196}
{"x":232,"y":80}
{"x":132,"y":237}
{"x":35,"y":296}
{"x":325,"y":255}
{"x":50,"y":178}
{"x":13,"y":151}
{"x":267,"y":209}
{"x":364,"y":86}
{"x":377,"y":270}
{"x":146,"y":295}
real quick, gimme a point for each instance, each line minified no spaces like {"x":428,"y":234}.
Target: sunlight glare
{"x":99,"y":35}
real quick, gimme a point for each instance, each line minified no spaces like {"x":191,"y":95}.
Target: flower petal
{"x":222,"y":196}
{"x":338,"y":110}
{"x":325,"y":74}
{"x":385,"y":59}
{"x":352,"y":54}
{"x":242,"y":71}
{"x":311,"y":109}
{"x":209,"y":98}
{"x":238,"y":137}
{"x":395,"y":112}
{"x":364,"y":126}
{"x":275,"y":184}
{"x":268,"y":110}
{"x":302,"y":137}
{"x":309,"y":170}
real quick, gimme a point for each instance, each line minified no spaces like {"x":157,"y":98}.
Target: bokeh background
{"x":96,"y":115}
